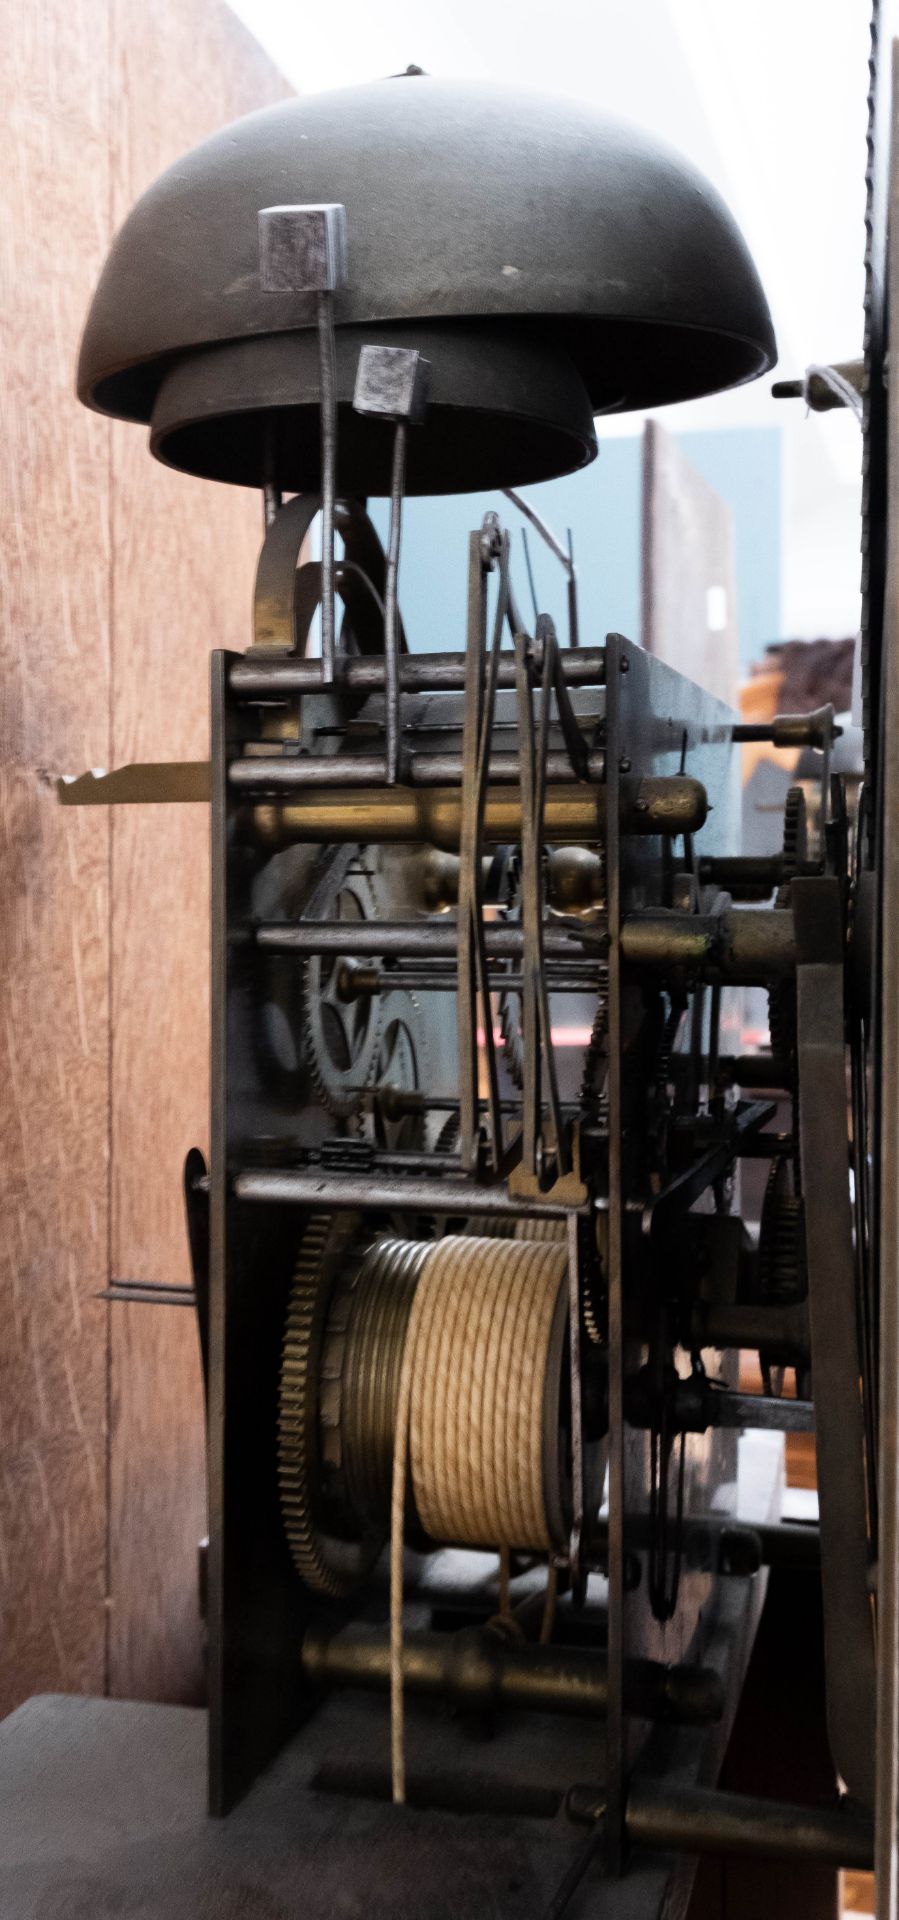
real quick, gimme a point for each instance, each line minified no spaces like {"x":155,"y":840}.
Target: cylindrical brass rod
{"x":705,"y":1820}
{"x":474,"y":1668}
{"x":573,"y":813}
{"x":746,"y":946}
{"x":423,"y":816}
{"x":419,"y":673}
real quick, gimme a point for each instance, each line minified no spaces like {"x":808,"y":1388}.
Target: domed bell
{"x":548,"y":261}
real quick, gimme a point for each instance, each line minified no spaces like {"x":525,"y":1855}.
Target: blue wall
{"x":602,"y":508}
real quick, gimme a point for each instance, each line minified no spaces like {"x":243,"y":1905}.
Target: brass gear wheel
{"x":781,"y":1262}
{"x":782,"y":993}
{"x":349,"y":1304}
{"x":325,"y":1563}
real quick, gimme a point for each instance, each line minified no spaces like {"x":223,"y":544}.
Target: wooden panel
{"x":54,"y":697}
{"x":689,"y":615}
{"x":183,"y":556}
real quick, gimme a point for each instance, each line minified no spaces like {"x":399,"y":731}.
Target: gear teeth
{"x":873,"y":449}
{"x":297,"y":1414}
{"x":782,"y":993}
{"x":795,"y":840}
{"x":595,"y":1055}
{"x":448,"y":1137}
{"x":511,"y":1037}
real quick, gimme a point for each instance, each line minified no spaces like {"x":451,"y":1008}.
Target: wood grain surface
{"x":183,"y":556}
{"x":118,"y":578}
{"x":54,"y":715}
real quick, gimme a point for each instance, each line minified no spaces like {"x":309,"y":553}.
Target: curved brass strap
{"x":287,"y":595}
{"x":275,"y":592}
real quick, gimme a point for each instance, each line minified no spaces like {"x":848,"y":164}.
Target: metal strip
{"x":275,"y":592}
{"x":218,"y":1249}
{"x":530,"y":912}
{"x":615,"y":1731}
{"x":467,"y":1010}
{"x":547,"y":632}
{"x":886,"y":1175}
{"x":475,"y":889}
{"x":391,"y":611}
{"x":328,"y":413}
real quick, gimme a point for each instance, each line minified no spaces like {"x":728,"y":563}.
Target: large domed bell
{"x":548,"y":261}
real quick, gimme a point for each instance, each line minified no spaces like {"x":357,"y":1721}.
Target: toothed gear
{"x":781,"y":1259}
{"x":597,"y":1055}
{"x":325,"y":1564}
{"x":782,"y":993}
{"x":795,"y":841}
{"x":340,"y":1038}
{"x":448,"y":1138}
{"x":874,"y":412}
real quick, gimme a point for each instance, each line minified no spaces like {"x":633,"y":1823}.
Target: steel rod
{"x":291,"y":1186}
{"x":419,"y":673}
{"x":391,"y":610}
{"x":279,"y":773}
{"x":413,"y":940}
{"x":703,"y":1820}
{"x":427,"y":982}
{"x":761,"y":1413}
{"x":150,"y":1295}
